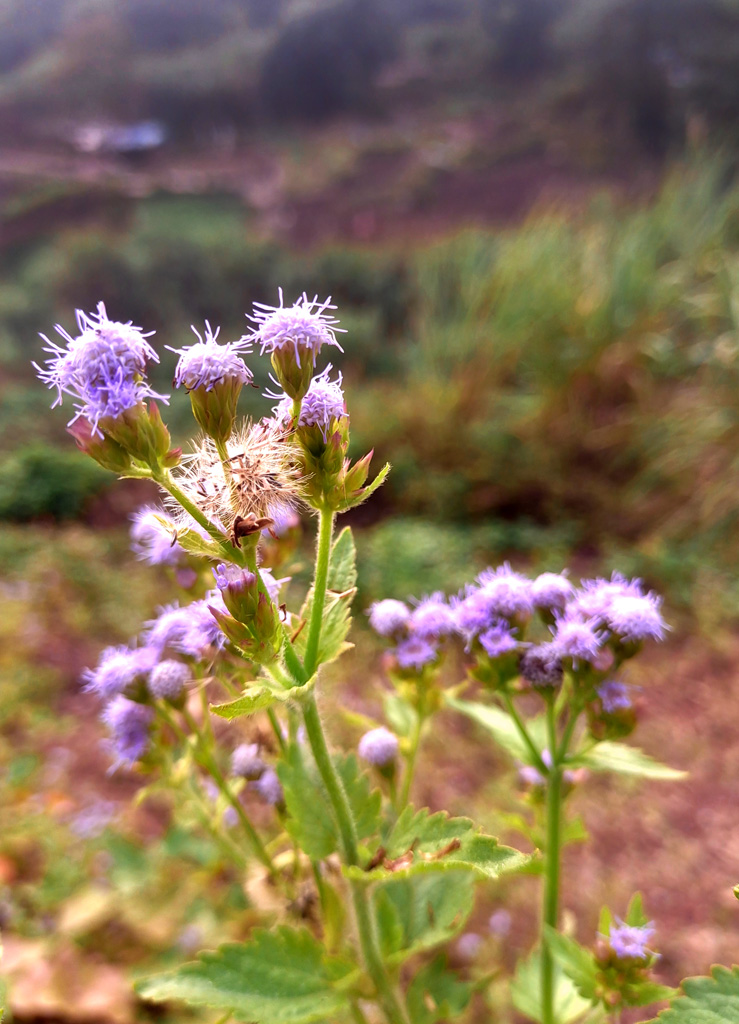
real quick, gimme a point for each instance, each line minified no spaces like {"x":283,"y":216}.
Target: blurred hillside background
{"x":527,"y":212}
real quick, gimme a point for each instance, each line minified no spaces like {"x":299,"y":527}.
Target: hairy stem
{"x":410,"y":764}
{"x":323,"y":554}
{"x":550,"y":908}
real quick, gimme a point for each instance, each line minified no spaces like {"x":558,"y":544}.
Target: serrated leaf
{"x":609,"y":756}
{"x":341,"y":588}
{"x":279,"y":977}
{"x":526,"y":992}
{"x":310,"y":821}
{"x":435,"y":994}
{"x":434,"y":843}
{"x":419,"y":912}
{"x":262,"y":694}
{"x":577,"y":962}
{"x":502,"y":727}
{"x":713,"y":1000}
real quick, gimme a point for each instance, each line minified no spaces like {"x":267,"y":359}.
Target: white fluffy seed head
{"x":262,"y":479}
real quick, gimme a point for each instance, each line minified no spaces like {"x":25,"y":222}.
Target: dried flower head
{"x":261,"y":478}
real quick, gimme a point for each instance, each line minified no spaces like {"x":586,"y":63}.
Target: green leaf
{"x":419,"y":912}
{"x":262,"y":694}
{"x":713,"y":1000}
{"x":341,"y":588}
{"x":502,"y":727}
{"x":195,"y":544}
{"x":619,"y":757}
{"x":436,"y":843}
{"x":577,"y":963}
{"x":310,"y":822}
{"x":526,"y":992}
{"x":401,"y":714}
{"x":435,"y":994}
{"x":279,"y":977}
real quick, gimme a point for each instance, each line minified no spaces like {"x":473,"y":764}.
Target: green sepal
{"x":434,"y":843}
{"x":435,"y":994}
{"x":278,"y":977}
{"x":610,"y":756}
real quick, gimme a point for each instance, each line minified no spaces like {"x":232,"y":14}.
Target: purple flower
{"x":118,"y":669}
{"x":635,"y":616}
{"x":246,"y":762}
{"x":432,"y":618}
{"x":415,"y":653}
{"x":576,"y":639}
{"x":388,"y":617}
{"x":284,"y":519}
{"x":378,"y":747}
{"x":498,"y":639}
{"x":541,"y":665}
{"x":102,"y":368}
{"x":614,"y":696}
{"x":269,"y":787}
{"x":500,"y":922}
{"x":468,"y":946}
{"x":303,"y":327}
{"x":168,"y":679}
{"x":233,"y":578}
{"x":206,"y":363}
{"x":471,"y":612}
{"x":551,"y":590}
{"x":190,"y":629}
{"x":323,"y":403}
{"x":506,"y":592}
{"x":129,"y":724}
{"x":153,"y":539}
{"x":594,"y":598}
{"x":93,"y":820}
{"x":629,"y":941}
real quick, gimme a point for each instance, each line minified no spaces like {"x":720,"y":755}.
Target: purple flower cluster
{"x":206,"y":363}
{"x":322,"y":404}
{"x":417,"y":633}
{"x":129,"y":725}
{"x":629,"y":941}
{"x":302,"y":327}
{"x":102,"y":368}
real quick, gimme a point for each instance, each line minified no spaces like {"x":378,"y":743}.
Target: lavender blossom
{"x":468,"y":946}
{"x":118,"y":669}
{"x":302,"y":327}
{"x":233,"y":578}
{"x":168,"y":679}
{"x":102,"y":368}
{"x":269,"y":787}
{"x":498,"y":639}
{"x":506,"y":592}
{"x":129,"y":724}
{"x":206,"y":363}
{"x":432,"y":618}
{"x":388,"y":617}
{"x":323,"y":404}
{"x":576,"y":639}
{"x":246,"y":762}
{"x":635,"y":617}
{"x":500,"y":922}
{"x":551,"y":590}
{"x":594,"y":598}
{"x":415,"y":653}
{"x":190,"y":629}
{"x":629,"y":942}
{"x":614,"y":696}
{"x":378,"y":747}
{"x":472,"y":613}
{"x":153,"y":539}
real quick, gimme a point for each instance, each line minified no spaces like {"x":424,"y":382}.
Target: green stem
{"x":208,"y":762}
{"x":411,"y":761}
{"x":323,"y":554}
{"x":361,"y":900}
{"x":550,"y":908}
{"x":276,"y":729}
{"x":523,"y":733}
{"x":164,"y":479}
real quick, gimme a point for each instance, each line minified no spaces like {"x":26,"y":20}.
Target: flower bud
{"x":142,"y":433}
{"x":104,"y":450}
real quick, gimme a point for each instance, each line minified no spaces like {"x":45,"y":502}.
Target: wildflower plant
{"x":386,"y":883}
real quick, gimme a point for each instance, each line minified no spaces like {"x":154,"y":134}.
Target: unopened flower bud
{"x":378,"y":747}
{"x":239,"y":589}
{"x":104,"y":450}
